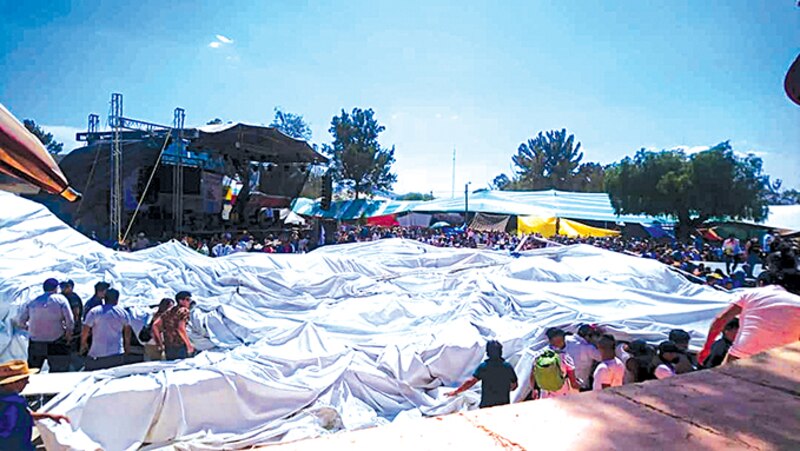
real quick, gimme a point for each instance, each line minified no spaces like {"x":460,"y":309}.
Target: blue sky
{"x":478,"y":76}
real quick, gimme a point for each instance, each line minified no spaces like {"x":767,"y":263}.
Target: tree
{"x":501,"y":182}
{"x":52,"y":146}
{"x":215,"y":121}
{"x":292,"y":125}
{"x":710,"y":184}
{"x":551,"y":160}
{"x":415,"y":196}
{"x":358,"y":161}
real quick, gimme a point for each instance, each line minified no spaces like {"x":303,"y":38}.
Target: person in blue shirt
{"x":100,"y":289}
{"x":16,"y":419}
{"x":497,"y":377}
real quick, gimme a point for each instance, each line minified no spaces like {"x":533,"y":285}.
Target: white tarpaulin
{"x":344,"y":337}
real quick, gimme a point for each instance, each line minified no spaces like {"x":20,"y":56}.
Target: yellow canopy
{"x":566,"y":227}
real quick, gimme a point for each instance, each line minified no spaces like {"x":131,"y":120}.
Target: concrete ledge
{"x":750,"y":404}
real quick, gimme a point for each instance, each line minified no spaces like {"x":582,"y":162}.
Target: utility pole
{"x":466,"y":202}
{"x":453,"y":188}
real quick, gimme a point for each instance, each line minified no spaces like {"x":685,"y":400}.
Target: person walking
{"x":169,"y":330}
{"x":497,"y":377}
{"x":49,"y":322}
{"x":16,"y":418}
{"x":109,"y":326}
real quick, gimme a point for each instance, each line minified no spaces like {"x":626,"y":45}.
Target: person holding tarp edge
{"x":497,"y":377}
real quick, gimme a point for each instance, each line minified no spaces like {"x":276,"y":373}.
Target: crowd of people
{"x":72,"y":336}
{"x":592,"y":359}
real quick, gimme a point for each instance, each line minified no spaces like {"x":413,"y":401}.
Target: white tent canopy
{"x":344,"y":337}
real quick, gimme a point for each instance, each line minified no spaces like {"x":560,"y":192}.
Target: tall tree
{"x":291,"y":125}
{"x":691,"y":188}
{"x":47,"y":139}
{"x":548,"y":161}
{"x":501,"y":182}
{"x":359,"y":162}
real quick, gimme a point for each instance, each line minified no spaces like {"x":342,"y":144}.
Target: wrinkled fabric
{"x":341,"y":338}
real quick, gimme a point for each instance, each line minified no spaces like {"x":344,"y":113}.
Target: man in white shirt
{"x":583,"y":353}
{"x":49,"y":322}
{"x":769,"y":317}
{"x":610,"y":371}
{"x":108,"y":324}
{"x":555,"y":337}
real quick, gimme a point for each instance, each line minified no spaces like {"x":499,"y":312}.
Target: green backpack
{"x":547,"y":371}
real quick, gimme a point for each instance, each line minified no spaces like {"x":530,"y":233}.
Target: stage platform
{"x":751,"y":404}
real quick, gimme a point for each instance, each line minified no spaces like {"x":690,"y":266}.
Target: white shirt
{"x":770,"y":318}
{"x":583,"y":355}
{"x":47,"y":317}
{"x":566,"y":365}
{"x":608,"y":372}
{"x":107,"y":323}
{"x":664,"y":371}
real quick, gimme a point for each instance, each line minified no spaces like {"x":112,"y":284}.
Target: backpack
{"x":146,"y":333}
{"x":547,"y":371}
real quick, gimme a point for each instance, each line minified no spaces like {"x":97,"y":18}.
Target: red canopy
{"x":23,"y":156}
{"x":383,"y":221}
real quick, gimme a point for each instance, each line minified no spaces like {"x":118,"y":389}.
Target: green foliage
{"x":416,"y":196}
{"x":215,"y":121}
{"x":552,"y":160}
{"x":292,"y":125}
{"x":358,"y":161}
{"x":52,"y":146}
{"x":692,"y":188}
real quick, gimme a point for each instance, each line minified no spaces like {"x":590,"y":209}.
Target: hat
{"x":716,"y":276}
{"x":679,"y":336}
{"x":555,"y":332}
{"x":66,"y":283}
{"x":636,"y":347}
{"x":15,"y":370}
{"x":668,"y":346}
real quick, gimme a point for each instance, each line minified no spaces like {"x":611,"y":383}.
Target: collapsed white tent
{"x":344,"y":337}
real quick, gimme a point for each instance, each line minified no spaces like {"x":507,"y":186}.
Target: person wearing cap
{"x":720,"y":347}
{"x":75,"y":302}
{"x":100,"y":289}
{"x":49,"y":322}
{"x":668,"y":356}
{"x":610,"y":372}
{"x":681,"y":339}
{"x":581,"y":348}
{"x":16,"y":419}
{"x":638,"y":363}
{"x":769,"y":316}
{"x":498,"y":378}
{"x":556,"y":343}
{"x":109,"y":326}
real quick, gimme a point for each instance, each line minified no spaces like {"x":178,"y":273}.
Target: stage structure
{"x":162,"y":180}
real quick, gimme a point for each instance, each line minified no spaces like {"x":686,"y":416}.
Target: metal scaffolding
{"x":115,"y":195}
{"x":177,"y":177}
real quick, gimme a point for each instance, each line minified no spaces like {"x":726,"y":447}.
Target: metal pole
{"x":466,"y":203}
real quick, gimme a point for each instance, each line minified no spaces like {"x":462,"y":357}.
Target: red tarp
{"x":383,"y":221}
